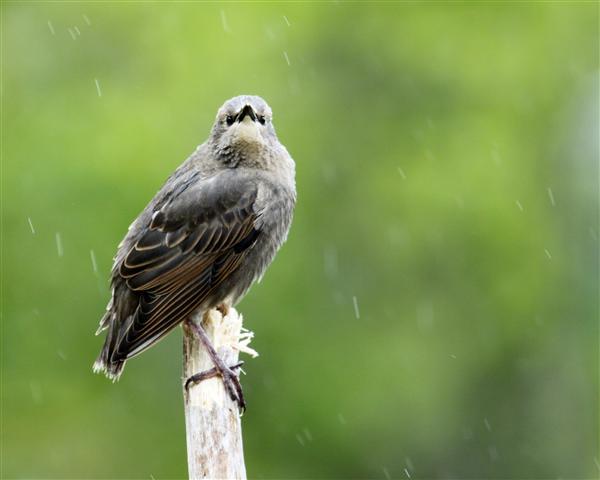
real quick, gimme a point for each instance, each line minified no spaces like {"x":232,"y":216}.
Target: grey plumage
{"x":206,"y":236}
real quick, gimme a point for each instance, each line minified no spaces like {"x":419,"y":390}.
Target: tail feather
{"x":106,"y":363}
{"x":111,"y":370}
{"x":104,"y":321}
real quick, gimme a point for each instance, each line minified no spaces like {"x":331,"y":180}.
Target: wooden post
{"x":212,"y":419}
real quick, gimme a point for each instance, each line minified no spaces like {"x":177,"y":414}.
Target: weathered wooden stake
{"x":212,"y":419}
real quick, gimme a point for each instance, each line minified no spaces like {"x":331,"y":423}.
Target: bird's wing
{"x":194,"y":242}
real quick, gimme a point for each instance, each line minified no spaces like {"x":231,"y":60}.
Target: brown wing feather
{"x":175,"y":265}
{"x":168,"y":314}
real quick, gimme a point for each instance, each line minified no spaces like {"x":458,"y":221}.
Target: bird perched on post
{"x":206,"y":236}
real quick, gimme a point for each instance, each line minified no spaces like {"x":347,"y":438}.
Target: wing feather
{"x":189,"y":248}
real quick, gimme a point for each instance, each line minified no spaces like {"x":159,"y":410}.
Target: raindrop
{"x":547,"y":254}
{"x":61,"y":354}
{"x":86,"y":19}
{"x":386,"y":473}
{"x":98,"y":87}
{"x":51,"y":28}
{"x":487,"y":424}
{"x":519,"y":205}
{"x":31,"y":225}
{"x":409,"y":463}
{"x":406,"y":472}
{"x":300,"y":439}
{"x":453,"y":356}
{"x":224,"y":22}
{"x":72,"y":33}
{"x":287,"y":59}
{"x":287,"y":21}
{"x":401,"y":172}
{"x":307,"y":434}
{"x":94,"y":264}
{"x":341,"y":419}
{"x":551,"y":197}
{"x":59,"y":245}
{"x":77,"y":30}
{"x":356,"y":311}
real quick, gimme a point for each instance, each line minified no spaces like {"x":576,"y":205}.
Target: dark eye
{"x":261,"y":119}
{"x":229,"y":120}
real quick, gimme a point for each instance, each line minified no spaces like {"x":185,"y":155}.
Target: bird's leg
{"x":230,"y":378}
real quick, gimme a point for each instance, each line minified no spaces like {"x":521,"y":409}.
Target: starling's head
{"x":244,"y":120}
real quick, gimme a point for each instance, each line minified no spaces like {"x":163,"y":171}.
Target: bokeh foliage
{"x":447,"y":168}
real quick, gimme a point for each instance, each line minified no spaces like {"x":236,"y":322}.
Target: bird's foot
{"x":231,"y":381}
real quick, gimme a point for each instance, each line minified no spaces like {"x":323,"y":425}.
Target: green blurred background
{"x":447,"y":169}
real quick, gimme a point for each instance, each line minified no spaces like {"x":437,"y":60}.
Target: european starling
{"x":204,"y":239}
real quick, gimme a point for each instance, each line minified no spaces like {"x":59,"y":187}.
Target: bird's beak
{"x":247,"y":110}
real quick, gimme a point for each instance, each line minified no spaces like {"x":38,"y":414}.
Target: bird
{"x":209,"y":233}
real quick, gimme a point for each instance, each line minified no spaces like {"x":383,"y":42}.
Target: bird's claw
{"x":233,"y":387}
{"x":231,"y":382}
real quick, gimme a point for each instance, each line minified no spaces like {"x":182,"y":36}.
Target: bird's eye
{"x":229,"y":120}
{"x":261,"y":119}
